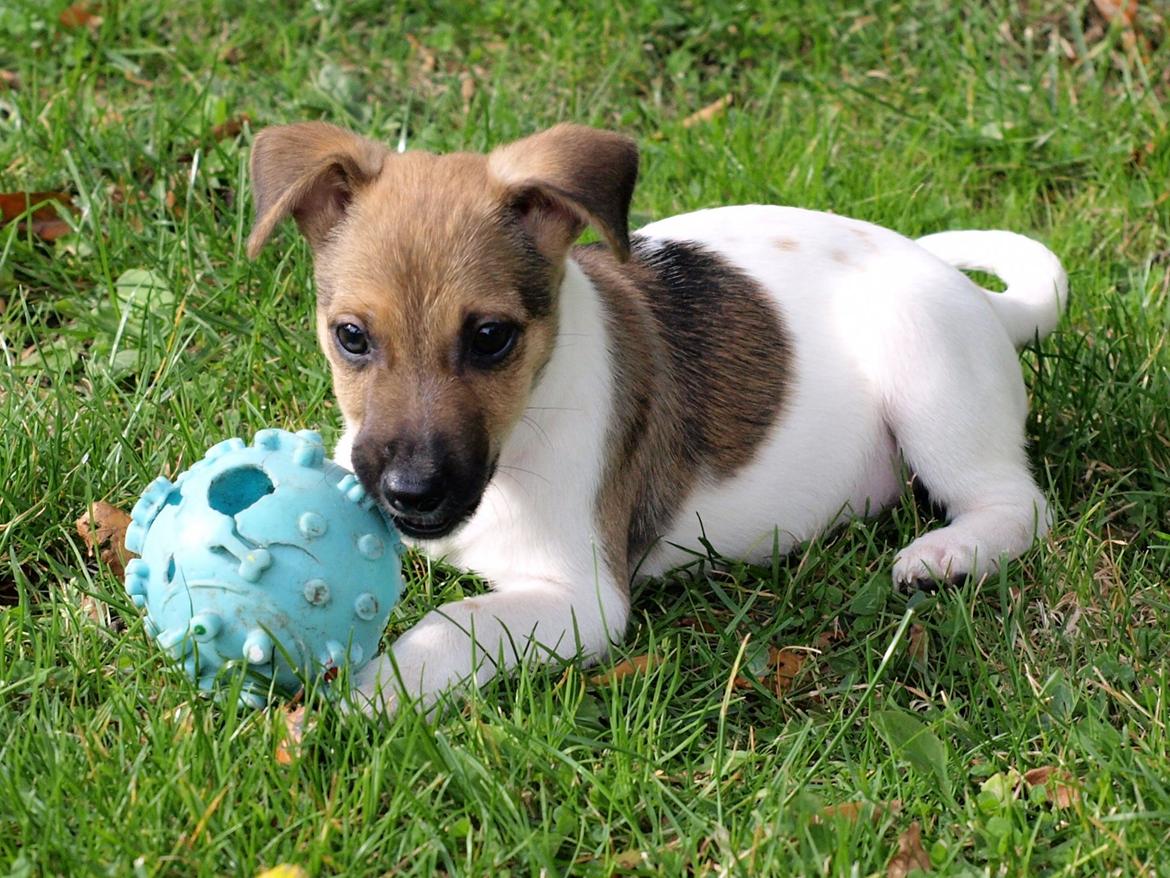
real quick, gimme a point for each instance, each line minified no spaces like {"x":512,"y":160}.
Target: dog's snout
{"x":412,"y":493}
{"x":426,"y":482}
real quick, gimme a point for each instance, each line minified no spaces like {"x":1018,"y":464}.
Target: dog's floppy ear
{"x":310,"y":170}
{"x":566,"y":177}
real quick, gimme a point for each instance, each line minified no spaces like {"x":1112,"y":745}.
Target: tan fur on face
{"x":422,"y":250}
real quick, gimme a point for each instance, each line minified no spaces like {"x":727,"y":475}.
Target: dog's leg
{"x":523,"y":619}
{"x":960,"y":425}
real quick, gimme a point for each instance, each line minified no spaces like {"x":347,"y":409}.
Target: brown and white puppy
{"x":555,"y":417}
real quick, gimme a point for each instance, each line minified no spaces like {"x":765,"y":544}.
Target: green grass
{"x":920,"y":116}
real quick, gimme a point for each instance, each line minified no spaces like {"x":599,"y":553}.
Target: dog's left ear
{"x":570,"y":176}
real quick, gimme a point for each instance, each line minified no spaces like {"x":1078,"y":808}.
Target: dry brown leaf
{"x":46,"y":222}
{"x":635,"y":858}
{"x":911,"y":854}
{"x":629,"y":859}
{"x":288,"y":748}
{"x":828,"y":637}
{"x":230,"y":128}
{"x":1058,"y":786}
{"x":851,"y":811}
{"x":467,"y":89}
{"x":709,"y":112}
{"x":9,"y":79}
{"x":623,"y":669}
{"x":427,"y":57}
{"x":787,"y":662}
{"x":919,"y":643}
{"x":1038,"y":777}
{"x":784,"y":663}
{"x":1111,"y":10}
{"x":80,"y":14}
{"x":1062,"y":795}
{"x":103,"y":529}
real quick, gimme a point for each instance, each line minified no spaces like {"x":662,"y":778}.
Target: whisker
{"x":529,"y":422}
{"x":509,"y":470}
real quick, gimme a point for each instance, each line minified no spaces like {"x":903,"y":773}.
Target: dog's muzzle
{"x":421,"y":507}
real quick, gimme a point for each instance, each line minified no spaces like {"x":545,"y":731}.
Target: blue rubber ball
{"x":266,"y":556}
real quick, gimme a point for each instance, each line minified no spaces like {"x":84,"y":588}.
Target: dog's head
{"x":437,"y":284}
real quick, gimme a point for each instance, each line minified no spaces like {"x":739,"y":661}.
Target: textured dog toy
{"x":267,"y":555}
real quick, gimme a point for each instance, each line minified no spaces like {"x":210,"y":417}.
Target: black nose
{"x":410,"y":494}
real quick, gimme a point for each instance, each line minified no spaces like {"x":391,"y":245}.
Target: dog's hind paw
{"x":938,"y":558}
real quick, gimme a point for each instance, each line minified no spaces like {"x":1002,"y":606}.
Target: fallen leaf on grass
{"x":426,"y":56}
{"x":288,"y":748}
{"x":231,"y":127}
{"x":852,"y":811}
{"x":1062,"y":795}
{"x":629,"y":860}
{"x":45,"y":221}
{"x":828,"y":637}
{"x":708,"y":112}
{"x":919,"y":643}
{"x":80,"y":15}
{"x":782,"y":666}
{"x":103,"y":530}
{"x":1111,"y":10}
{"x":1057,"y":785}
{"x":911,"y":854}
{"x":467,"y":90}
{"x":1037,"y":777}
{"x":788,"y":662}
{"x":9,"y":79}
{"x":284,"y":870}
{"x":623,"y":669}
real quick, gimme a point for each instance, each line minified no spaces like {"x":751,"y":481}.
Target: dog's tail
{"x":1037,"y":287}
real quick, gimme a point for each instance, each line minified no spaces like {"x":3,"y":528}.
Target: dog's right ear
{"x":310,"y":170}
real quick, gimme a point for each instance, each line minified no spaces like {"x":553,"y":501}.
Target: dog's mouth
{"x":426,"y":527}
{"x":444,"y":520}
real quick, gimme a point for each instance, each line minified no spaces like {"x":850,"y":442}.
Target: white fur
{"x":898,"y":358}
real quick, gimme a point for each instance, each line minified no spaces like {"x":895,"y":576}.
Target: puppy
{"x":557,"y":417}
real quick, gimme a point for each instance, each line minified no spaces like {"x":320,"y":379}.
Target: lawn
{"x":793,"y":718}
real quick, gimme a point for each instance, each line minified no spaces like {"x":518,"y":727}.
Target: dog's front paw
{"x":939,"y":558}
{"x":373,"y":690}
{"x":432,"y":658}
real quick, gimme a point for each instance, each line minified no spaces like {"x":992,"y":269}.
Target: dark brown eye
{"x":491,"y":342}
{"x":352,"y":339}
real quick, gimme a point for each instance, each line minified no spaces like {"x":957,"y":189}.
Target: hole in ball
{"x":234,"y":491}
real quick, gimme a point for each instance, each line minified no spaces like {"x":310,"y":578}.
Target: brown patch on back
{"x":865,"y":238}
{"x":701,"y":359}
{"x":840,"y":256}
{"x":786,"y":244}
